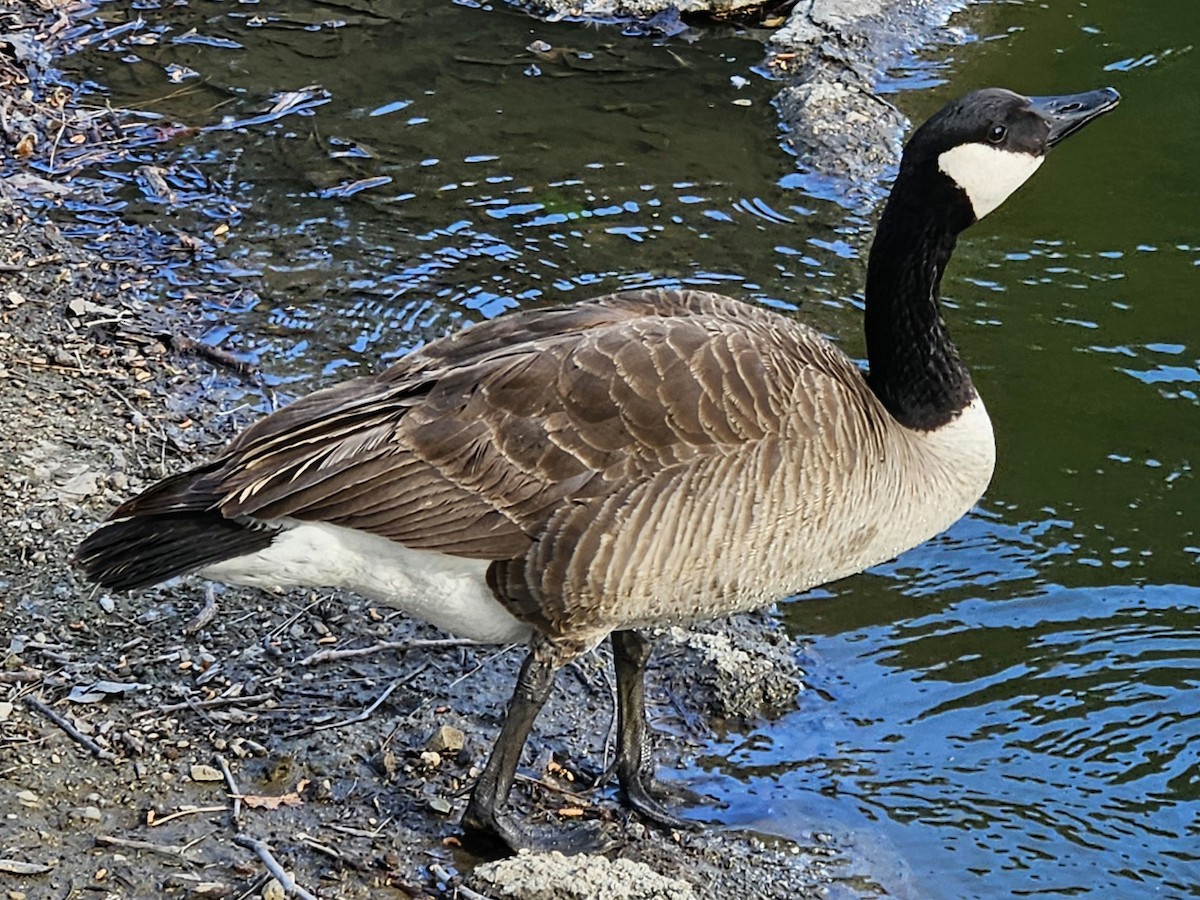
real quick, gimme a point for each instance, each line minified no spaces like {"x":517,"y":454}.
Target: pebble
{"x":431,"y":758}
{"x":28,"y":798}
{"x":273,"y":890}
{"x":447,"y":739}
{"x":202,"y":772}
{"x":6,"y":710}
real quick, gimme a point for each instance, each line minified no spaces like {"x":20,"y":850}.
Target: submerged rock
{"x":744,"y":668}
{"x":845,"y":134}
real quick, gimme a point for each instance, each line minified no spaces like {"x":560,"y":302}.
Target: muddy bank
{"x":119,"y":716}
{"x":141,"y":739}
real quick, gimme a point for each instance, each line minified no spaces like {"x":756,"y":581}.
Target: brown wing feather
{"x":473,"y":444}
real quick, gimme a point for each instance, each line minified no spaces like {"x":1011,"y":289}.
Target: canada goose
{"x":561,"y":476}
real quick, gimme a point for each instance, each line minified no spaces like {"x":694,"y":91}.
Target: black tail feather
{"x":137,"y":552}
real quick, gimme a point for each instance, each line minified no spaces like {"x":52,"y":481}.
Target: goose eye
{"x":997,"y":133}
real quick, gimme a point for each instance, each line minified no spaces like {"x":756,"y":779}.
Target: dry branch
{"x":179,"y":853}
{"x":268,"y":858}
{"x":74,"y":733}
{"x":322,"y":656}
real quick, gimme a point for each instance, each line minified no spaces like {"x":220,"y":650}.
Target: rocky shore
{"x":173,"y":745}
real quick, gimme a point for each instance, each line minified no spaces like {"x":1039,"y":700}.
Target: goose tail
{"x":138,"y":551}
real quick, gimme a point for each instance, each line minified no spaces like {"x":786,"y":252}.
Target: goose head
{"x":980,"y":148}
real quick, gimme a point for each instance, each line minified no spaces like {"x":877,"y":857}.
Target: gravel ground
{"x":146,"y":744}
{"x":117,"y":714}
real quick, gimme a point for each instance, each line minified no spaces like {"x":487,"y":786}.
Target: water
{"x":1009,"y":710}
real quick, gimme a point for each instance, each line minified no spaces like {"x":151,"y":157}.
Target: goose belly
{"x":447,"y":591}
{"x":922,"y":484}
{"x":740,"y":536}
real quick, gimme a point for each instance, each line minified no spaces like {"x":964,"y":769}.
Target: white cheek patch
{"x":987,"y":174}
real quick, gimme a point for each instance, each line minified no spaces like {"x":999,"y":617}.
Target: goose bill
{"x":1067,"y":113}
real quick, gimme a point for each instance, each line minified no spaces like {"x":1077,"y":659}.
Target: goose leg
{"x":635,"y":768}
{"x":484,"y":818}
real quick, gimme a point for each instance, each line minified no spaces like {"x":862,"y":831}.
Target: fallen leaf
{"x":258,"y":801}
{"x":102,"y":690}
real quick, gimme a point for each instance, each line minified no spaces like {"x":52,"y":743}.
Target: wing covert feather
{"x":473,"y":444}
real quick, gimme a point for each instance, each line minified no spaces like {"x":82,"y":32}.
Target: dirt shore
{"x":146,"y":743}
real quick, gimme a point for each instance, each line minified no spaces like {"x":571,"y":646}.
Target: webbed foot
{"x":640,"y":792}
{"x":496,"y":834}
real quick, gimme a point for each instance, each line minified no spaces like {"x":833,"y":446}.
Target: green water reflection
{"x":1012,"y":709}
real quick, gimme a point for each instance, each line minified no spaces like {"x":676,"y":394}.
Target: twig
{"x":30,"y":263}
{"x":62,"y":127}
{"x":287,"y":623}
{"x":184,"y":344}
{"x":362,"y":832}
{"x":312,"y":842}
{"x":22,"y":676}
{"x":440,"y":873}
{"x":322,"y":656}
{"x":180,"y":853}
{"x":234,"y":792}
{"x":254,"y":889}
{"x":264,"y":853}
{"x":95,"y":749}
{"x":154,"y":823}
{"x":206,"y":614}
{"x":574,"y":795}
{"x":205,"y":704}
{"x":455,"y":683}
{"x":365,"y":714}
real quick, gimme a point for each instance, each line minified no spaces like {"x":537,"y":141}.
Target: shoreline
{"x":102,"y":400}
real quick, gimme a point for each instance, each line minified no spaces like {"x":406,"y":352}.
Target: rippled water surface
{"x":1012,"y":709}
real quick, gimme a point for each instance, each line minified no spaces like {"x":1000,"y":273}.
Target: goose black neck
{"x":914,"y":367}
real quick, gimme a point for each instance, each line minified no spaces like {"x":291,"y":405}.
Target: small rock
{"x":86,"y":813}
{"x":6,"y":710}
{"x":201,"y":772}
{"x":273,"y":890}
{"x":539,"y":47}
{"x":447,"y":739}
{"x":28,"y":798}
{"x":440,"y":805}
{"x":431,"y":759}
{"x":82,"y":485}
